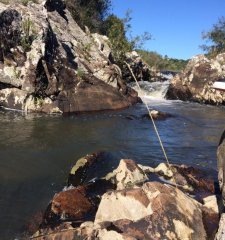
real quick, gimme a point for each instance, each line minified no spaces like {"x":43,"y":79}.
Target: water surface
{"x":37,"y":151}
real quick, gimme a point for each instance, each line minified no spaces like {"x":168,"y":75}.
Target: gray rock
{"x":58,"y":64}
{"x":195,"y":82}
{"x":221,"y":231}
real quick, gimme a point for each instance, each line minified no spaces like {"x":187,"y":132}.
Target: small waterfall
{"x":156,"y":90}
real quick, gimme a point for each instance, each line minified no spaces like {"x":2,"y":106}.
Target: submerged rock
{"x":56,"y":67}
{"x":157,"y":115}
{"x":195,"y":82}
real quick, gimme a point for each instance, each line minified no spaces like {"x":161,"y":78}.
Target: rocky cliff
{"x":195,"y":82}
{"x":49,"y":64}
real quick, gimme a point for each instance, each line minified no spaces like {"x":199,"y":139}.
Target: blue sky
{"x":176,"y":25}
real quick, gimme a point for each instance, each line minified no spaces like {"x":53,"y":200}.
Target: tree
{"x":90,"y":13}
{"x":115,"y":30}
{"x":119,"y":33}
{"x":217,"y":37}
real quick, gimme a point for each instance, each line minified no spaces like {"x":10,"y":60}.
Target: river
{"x":37,"y":151}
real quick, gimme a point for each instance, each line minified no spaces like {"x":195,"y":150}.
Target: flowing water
{"x":37,"y":151}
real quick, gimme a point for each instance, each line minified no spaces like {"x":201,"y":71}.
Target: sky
{"x":176,"y":26}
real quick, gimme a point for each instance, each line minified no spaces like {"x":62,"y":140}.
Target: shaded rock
{"x":10,"y":31}
{"x":210,"y":220}
{"x":189,"y":179}
{"x":72,"y":204}
{"x":155,"y":211}
{"x":221,"y":165}
{"x":157,"y":115}
{"x":84,"y":167}
{"x":140,"y":69}
{"x":221,"y":231}
{"x":195,"y":82}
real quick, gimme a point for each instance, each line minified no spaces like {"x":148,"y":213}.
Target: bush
{"x":90,"y":13}
{"x":29,"y":34}
{"x":217,"y":36}
{"x":158,"y":62}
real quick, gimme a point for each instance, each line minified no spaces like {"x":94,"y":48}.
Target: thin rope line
{"x":154,"y":125}
{"x":159,"y":138}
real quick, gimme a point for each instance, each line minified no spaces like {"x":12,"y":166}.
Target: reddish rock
{"x":71,"y":204}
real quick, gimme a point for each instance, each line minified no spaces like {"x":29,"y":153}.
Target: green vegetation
{"x":158,"y":62}
{"x":24,"y":2}
{"x":90,"y":13}
{"x":95,"y":15}
{"x":117,"y":30}
{"x":29,"y":34}
{"x":216,"y":36}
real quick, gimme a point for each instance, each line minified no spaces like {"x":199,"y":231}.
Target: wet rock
{"x":157,"y":115}
{"x":127,"y":175}
{"x":72,"y":204}
{"x":154,"y":211}
{"x":195,"y":82}
{"x":83,"y":168}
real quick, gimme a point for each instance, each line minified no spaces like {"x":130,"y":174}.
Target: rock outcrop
{"x":49,"y":64}
{"x":221,"y":165}
{"x":141,"y":70}
{"x":221,"y":231}
{"x":195,"y":82}
{"x":130,"y":206}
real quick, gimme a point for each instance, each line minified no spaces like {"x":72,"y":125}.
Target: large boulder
{"x":154,"y":211}
{"x":125,"y":205}
{"x":195,"y":82}
{"x":221,"y":165}
{"x":52,"y":61}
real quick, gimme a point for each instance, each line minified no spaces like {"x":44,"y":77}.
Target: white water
{"x":153,"y":90}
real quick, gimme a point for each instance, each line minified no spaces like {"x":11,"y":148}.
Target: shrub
{"x":29,"y":34}
{"x":217,"y":36}
{"x":90,"y":13}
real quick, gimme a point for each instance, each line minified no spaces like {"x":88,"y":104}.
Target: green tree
{"x":90,"y":13}
{"x":217,"y":37}
{"x":158,"y":62}
{"x":120,"y":35}
{"x":116,"y":32}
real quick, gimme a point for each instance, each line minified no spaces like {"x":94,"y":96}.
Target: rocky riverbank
{"x":132,"y":202}
{"x":49,"y":64}
{"x":195,"y":82}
